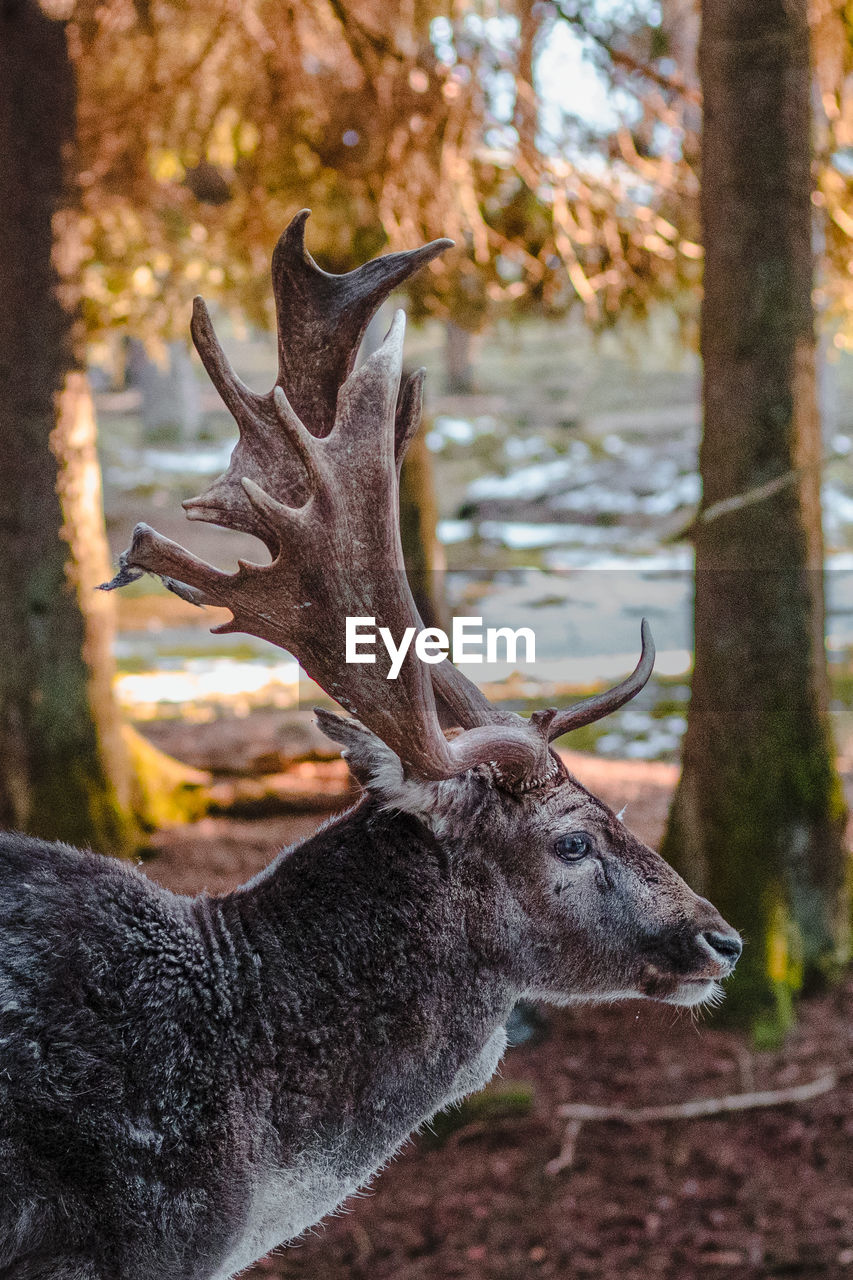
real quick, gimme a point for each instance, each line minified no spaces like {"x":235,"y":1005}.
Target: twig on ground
{"x":579,"y":1113}
{"x":566,"y":1158}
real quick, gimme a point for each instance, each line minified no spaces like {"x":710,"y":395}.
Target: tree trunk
{"x":458,"y":355}
{"x":63,"y":769}
{"x":758,"y":817}
{"x":171,"y":395}
{"x":422,"y":551}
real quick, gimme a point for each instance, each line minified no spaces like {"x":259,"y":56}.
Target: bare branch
{"x":696,"y":1108}
{"x":579,"y":1113}
{"x":622,"y":58}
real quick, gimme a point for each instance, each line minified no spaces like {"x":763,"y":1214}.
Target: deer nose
{"x":727,"y":945}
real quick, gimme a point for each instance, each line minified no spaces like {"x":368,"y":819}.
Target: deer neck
{"x":377,"y":979}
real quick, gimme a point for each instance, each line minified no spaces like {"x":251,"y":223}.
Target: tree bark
{"x":458,"y":354}
{"x":422,"y":551}
{"x":63,"y":770}
{"x":171,"y":395}
{"x":758,"y":816}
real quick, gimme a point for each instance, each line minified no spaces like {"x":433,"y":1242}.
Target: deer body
{"x":186,"y":1083}
{"x":272,"y":1050}
{"x":190,"y":1082}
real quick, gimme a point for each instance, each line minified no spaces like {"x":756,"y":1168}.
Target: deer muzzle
{"x":684,"y":965}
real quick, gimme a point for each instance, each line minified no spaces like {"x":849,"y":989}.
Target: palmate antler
{"x":314,"y":475}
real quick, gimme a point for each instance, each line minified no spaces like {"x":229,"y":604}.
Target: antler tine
{"x":179,"y":570}
{"x":409,"y":411}
{"x":370,"y":396}
{"x":465,"y":701}
{"x":469,"y":706}
{"x":602,"y":704}
{"x":321,"y":321}
{"x":239,"y":399}
{"x":298,"y":436}
{"x":322,"y":318}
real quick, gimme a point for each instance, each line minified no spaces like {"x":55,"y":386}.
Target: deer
{"x":188,"y":1082}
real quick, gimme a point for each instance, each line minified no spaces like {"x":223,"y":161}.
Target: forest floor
{"x":760,"y":1193}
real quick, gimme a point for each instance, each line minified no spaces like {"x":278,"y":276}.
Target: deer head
{"x":314,"y":475}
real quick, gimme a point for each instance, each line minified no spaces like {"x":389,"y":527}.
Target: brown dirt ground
{"x":762,"y":1193}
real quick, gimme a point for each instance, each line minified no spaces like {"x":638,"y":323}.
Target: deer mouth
{"x":691,"y":992}
{"x":679,"y":989}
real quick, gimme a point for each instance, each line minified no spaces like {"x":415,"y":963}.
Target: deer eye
{"x":574,"y":847}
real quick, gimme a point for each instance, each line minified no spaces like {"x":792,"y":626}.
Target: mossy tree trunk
{"x":63,"y":770}
{"x":758,"y":818}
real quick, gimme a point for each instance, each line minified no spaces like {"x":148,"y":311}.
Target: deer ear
{"x":374,"y":765}
{"x":365,"y":753}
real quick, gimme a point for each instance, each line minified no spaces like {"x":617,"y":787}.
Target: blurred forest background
{"x":639,"y":403}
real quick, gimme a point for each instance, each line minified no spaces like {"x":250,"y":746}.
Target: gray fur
{"x":185,"y":1083}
